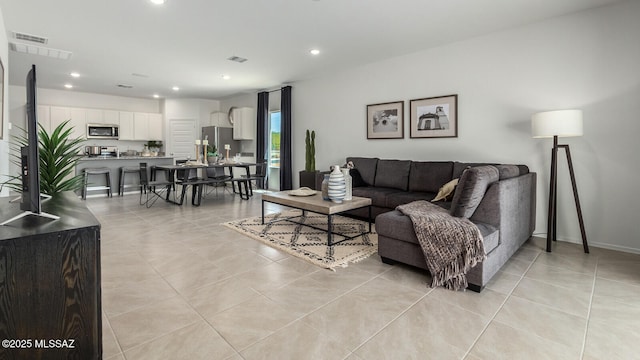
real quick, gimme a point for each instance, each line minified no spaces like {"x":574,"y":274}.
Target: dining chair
{"x":260,"y":177}
{"x":150,"y":191}
{"x":218,"y":178}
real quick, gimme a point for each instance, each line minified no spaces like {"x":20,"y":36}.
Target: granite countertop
{"x":97,"y":158}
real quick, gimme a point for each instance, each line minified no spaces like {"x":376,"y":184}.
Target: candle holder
{"x":205,"y":147}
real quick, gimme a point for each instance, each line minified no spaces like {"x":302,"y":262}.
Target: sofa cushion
{"x":459,"y":167}
{"x":393,"y":174}
{"x":396,"y":225}
{"x":508,"y":171}
{"x":400,"y":198}
{"x":377,"y":195}
{"x":429,"y":176}
{"x":366,"y":167}
{"x":471,"y":188}
{"x":524,"y":169}
{"x":356,"y":178}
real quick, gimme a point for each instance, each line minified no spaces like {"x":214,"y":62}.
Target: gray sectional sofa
{"x":504,"y":210}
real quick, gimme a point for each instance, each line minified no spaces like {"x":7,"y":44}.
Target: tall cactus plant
{"x":310,"y":153}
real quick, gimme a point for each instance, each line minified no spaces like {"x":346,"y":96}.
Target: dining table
{"x":200,"y":181}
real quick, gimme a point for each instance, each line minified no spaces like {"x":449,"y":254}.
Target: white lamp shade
{"x":561,"y":123}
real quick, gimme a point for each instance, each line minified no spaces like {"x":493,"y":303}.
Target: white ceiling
{"x":187,"y":42}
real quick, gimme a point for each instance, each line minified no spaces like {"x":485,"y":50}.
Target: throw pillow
{"x":356,"y":178}
{"x":446,"y":190}
{"x":474,"y":182}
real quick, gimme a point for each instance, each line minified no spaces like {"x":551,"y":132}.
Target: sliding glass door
{"x":274,"y":150}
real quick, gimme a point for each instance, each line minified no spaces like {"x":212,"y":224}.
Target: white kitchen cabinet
{"x":77,"y":117}
{"x":79,"y":122}
{"x":126,"y":125}
{"x":95,"y":116}
{"x":110,"y":117}
{"x":155,"y":127}
{"x":99,"y":116}
{"x":244,"y":126}
{"x":141,"y":126}
{"x":44,"y":117}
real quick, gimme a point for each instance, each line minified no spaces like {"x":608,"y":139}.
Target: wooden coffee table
{"x":316,"y":204}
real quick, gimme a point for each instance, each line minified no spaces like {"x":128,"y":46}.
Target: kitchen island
{"x":114,"y":164}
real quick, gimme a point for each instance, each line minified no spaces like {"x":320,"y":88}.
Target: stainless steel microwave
{"x":102,"y":131}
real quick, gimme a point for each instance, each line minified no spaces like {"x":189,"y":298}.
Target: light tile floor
{"x":178,"y":285}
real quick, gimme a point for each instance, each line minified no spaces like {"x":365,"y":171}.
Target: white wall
{"x":197,"y":109}
{"x":587,"y":60}
{"x":4,"y":142}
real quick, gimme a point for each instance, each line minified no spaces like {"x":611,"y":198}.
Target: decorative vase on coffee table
{"x":336,"y":185}
{"x":325,"y":187}
{"x":348,"y":183}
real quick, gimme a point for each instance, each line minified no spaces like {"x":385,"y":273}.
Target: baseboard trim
{"x":594,"y":244}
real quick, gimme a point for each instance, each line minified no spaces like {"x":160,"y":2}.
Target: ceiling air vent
{"x":28,"y":37}
{"x":40,"y":50}
{"x":125,"y":86}
{"x":237,"y":59}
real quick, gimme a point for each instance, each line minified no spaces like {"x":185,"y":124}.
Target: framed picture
{"x":434,"y":117}
{"x":385,"y":121}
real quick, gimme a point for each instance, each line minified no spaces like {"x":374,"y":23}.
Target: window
{"x":274,"y":139}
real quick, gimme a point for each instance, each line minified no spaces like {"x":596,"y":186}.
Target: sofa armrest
{"x":510,"y":205}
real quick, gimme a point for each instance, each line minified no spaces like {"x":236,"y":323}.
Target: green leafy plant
{"x":58,"y":159}
{"x":212,"y":150}
{"x":154,"y":144}
{"x":310,"y":153}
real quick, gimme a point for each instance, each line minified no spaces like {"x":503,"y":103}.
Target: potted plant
{"x":154,"y":146}
{"x":58,"y":158}
{"x":212,"y":153}
{"x":309,"y":176}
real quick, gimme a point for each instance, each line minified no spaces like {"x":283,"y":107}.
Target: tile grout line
{"x":392,"y":320}
{"x":475,"y":341}
{"x":593,"y":290}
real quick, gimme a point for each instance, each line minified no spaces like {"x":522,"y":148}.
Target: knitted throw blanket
{"x":451,"y":245}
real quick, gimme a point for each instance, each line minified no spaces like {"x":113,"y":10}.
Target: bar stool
{"x":124,"y":170}
{"x":96,"y":171}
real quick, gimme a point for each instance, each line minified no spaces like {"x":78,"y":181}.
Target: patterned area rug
{"x":308,"y":243}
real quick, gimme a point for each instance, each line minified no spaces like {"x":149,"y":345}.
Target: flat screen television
{"x":30,"y":159}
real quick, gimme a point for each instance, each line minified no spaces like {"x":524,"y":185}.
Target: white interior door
{"x":182,"y":138}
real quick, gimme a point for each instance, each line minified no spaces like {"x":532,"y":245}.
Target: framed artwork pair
{"x":434,"y":117}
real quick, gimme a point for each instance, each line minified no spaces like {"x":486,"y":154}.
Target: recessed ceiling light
{"x":156,"y":96}
{"x":314,"y":52}
{"x":68,"y":86}
{"x":158,"y":2}
{"x":175,"y":88}
{"x":75,"y":74}
{"x":226,"y":77}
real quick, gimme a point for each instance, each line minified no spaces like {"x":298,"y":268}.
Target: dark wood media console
{"x":50,"y":295}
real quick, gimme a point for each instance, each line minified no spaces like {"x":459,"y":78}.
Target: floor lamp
{"x":561,"y":123}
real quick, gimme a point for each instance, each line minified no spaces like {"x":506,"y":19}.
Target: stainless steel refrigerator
{"x":221,"y":136}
